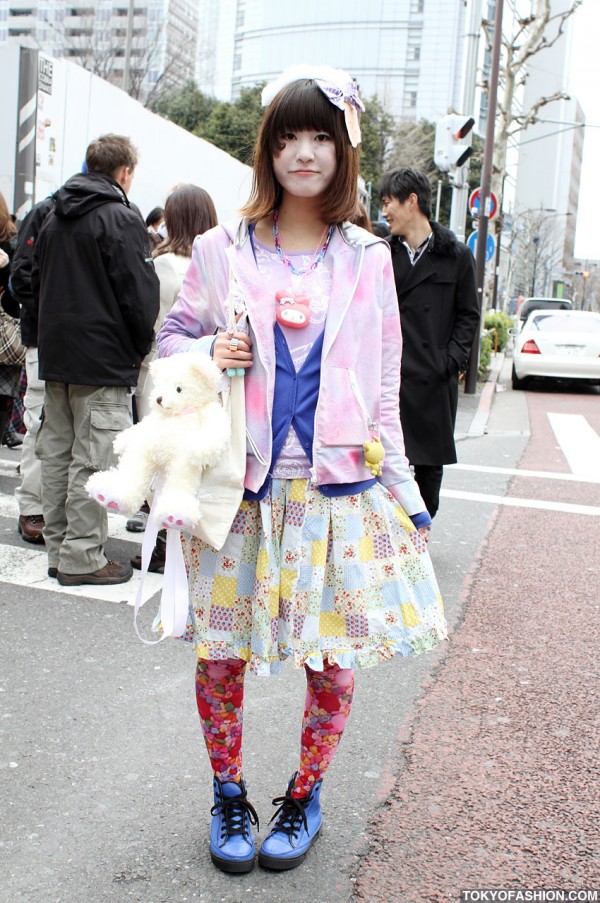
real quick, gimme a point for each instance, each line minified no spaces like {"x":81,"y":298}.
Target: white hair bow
{"x":337,"y":86}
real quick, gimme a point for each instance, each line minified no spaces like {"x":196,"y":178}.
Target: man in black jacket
{"x":439,"y":313}
{"x":97,"y":298}
{"x":29,"y":493}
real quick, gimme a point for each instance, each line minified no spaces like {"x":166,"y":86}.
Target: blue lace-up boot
{"x":231,"y":843}
{"x":297,"y":826}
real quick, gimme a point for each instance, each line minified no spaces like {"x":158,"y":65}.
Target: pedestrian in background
{"x":29,"y":492}
{"x":96,"y":294}
{"x":10,"y":374}
{"x":13,"y":435}
{"x":381,"y":229}
{"x":439,"y":311}
{"x":153,"y":222}
{"x":189,"y":211}
{"x":325,"y":563}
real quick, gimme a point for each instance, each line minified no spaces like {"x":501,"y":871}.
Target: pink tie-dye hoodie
{"x":360,"y":367}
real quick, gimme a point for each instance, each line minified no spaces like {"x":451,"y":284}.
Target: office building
{"x":143,"y":46}
{"x":407,"y":52}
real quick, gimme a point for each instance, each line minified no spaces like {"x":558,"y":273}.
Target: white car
{"x":561,"y":344}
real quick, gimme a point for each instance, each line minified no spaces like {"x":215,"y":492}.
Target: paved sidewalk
{"x":474,"y":410}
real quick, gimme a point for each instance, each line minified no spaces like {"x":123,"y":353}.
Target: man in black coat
{"x":97,"y":298}
{"x":439,"y":312}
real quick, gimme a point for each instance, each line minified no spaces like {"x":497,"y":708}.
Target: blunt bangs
{"x":302,"y":106}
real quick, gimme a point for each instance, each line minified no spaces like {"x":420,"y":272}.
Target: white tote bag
{"x":220,"y":492}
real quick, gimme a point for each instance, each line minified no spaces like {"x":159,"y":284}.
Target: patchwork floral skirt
{"x":307,"y":577}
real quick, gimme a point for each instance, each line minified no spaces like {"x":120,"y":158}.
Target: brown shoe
{"x":30,"y":527}
{"x":112,"y":572}
{"x":158,"y":557}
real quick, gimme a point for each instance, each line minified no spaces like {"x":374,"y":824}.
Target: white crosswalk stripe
{"x":27,"y":564}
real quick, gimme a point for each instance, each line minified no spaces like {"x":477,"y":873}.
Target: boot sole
{"x":232,"y":866}
{"x":74,"y":580}
{"x":36,"y":540}
{"x":277,"y":864}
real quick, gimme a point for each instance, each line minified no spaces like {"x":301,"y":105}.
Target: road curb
{"x":479,"y":422}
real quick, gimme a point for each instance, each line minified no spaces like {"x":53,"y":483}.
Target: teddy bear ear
{"x":205,"y":367}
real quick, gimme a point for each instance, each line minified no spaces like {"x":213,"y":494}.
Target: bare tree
{"x":536,"y":32}
{"x":412,"y":147}
{"x":101,"y":50}
{"x":534,"y":253}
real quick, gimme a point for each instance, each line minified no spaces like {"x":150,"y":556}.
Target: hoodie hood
{"x":85,"y":192}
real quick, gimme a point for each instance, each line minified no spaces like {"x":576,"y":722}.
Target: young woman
{"x":326,"y":562}
{"x":189,"y":211}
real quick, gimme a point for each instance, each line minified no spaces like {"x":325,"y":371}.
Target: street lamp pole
{"x":536,"y":241}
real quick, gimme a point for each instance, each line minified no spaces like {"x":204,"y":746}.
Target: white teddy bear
{"x":186,"y":431}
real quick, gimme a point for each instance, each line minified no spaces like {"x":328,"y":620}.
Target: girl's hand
{"x":425,"y":531}
{"x":4,"y":259}
{"x":232,"y":351}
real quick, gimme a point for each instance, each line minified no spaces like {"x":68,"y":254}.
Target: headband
{"x":337,"y":86}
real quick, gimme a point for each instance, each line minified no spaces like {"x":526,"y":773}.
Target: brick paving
{"x":499,"y":786}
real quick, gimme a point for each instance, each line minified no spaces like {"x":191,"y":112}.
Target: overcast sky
{"x":585,"y":85}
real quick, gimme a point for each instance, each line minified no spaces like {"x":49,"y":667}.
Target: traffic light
{"x":452,"y":146}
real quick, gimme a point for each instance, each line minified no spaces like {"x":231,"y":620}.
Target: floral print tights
{"x":220,"y":699}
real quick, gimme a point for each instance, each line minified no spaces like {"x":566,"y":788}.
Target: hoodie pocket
{"x":344,"y":409}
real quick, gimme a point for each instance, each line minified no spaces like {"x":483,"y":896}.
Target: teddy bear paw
{"x":176,"y":522}
{"x":107,"y":501}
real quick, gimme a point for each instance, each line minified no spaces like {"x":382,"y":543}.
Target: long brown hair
{"x":302,"y":106}
{"x":7,"y":227}
{"x":189,"y":211}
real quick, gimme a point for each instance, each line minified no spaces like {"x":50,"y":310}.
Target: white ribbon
{"x":175,"y":598}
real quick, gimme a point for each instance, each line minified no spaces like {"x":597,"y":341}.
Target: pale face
{"x":306,"y":165}
{"x":399,"y":214}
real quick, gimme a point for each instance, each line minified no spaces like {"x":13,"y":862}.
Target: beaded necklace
{"x":319,"y":253}
{"x":293,"y":307}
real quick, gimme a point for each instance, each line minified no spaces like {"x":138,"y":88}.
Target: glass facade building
{"x":407,"y":52}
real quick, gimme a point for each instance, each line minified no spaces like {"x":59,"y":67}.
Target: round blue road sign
{"x":490,"y":245}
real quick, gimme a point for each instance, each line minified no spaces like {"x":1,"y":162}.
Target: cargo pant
{"x":76,"y":437}
{"x":29,"y":493}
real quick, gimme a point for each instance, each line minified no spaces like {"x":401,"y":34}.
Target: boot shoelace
{"x":290,"y":814}
{"x":235,"y":811}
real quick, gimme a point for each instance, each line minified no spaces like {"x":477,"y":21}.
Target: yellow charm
{"x":374,"y":455}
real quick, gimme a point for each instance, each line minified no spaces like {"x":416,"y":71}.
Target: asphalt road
{"x":105,"y":787}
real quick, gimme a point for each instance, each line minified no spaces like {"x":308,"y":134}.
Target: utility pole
{"x":486,"y":185}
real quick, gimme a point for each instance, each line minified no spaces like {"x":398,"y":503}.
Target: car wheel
{"x":516,"y":382}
